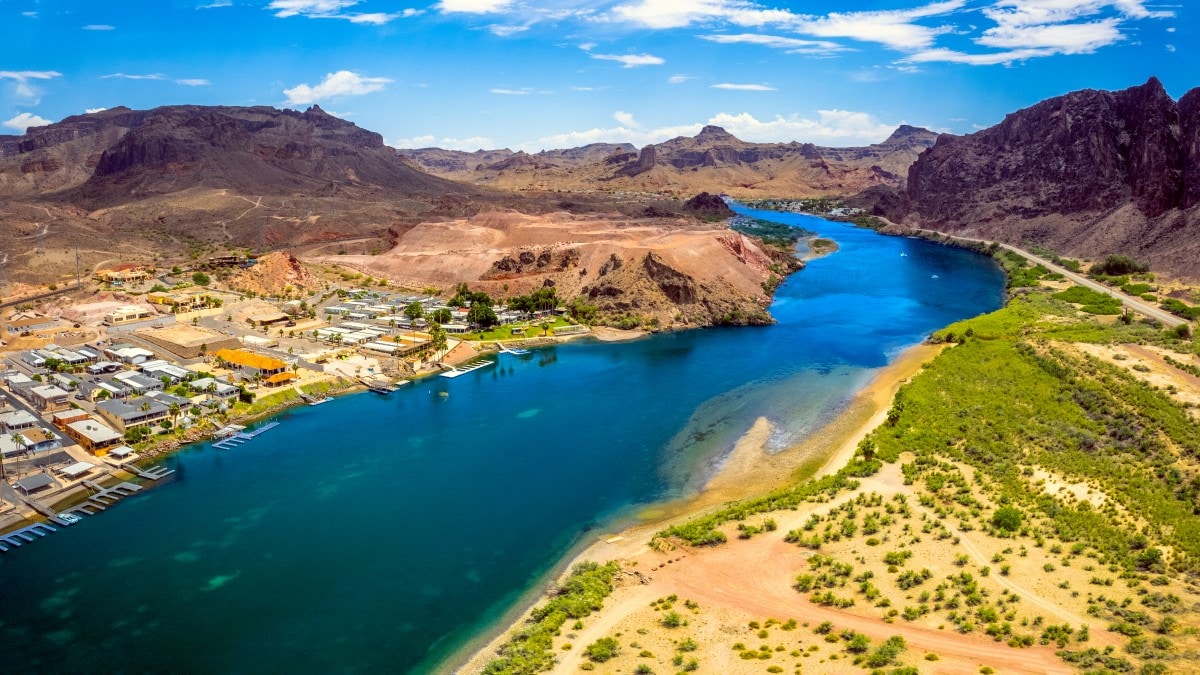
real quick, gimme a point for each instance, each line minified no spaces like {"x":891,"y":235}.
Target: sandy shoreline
{"x":748,"y":471}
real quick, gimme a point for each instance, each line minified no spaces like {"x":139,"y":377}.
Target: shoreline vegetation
{"x":1085,"y":461}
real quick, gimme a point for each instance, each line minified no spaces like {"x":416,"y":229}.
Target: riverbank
{"x":750,"y":469}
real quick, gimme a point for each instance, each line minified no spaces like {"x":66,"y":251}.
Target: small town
{"x":100,"y":381}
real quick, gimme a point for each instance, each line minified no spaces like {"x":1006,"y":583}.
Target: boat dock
{"x":153,"y":473}
{"x":455,"y":372}
{"x":104,"y":497}
{"x":515,"y":352}
{"x":239,"y":437}
{"x":25,"y":535}
{"x":383,"y":386}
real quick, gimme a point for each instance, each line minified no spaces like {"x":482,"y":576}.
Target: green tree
{"x":482,"y":315}
{"x":1007,"y":518}
{"x":437,"y":339}
{"x":201,"y":279}
{"x":414,"y":311}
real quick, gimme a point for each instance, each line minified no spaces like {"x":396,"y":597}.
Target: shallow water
{"x":379,"y":533}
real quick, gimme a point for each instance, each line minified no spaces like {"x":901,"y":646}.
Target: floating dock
{"x":455,"y":372}
{"x":240,"y":437}
{"x":23,"y":536}
{"x":104,"y":497}
{"x":153,"y":473}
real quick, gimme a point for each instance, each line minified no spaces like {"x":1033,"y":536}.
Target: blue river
{"x":382,"y":533}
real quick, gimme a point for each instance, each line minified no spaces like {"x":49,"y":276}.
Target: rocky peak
{"x":715,"y":134}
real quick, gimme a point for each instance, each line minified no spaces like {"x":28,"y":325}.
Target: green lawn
{"x":506,"y":332}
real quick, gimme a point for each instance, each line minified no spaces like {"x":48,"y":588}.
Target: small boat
{"x":903,"y":255}
{"x":935,"y":277}
{"x":69,"y":518}
{"x":319,"y":401}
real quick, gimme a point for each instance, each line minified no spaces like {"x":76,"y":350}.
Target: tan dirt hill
{"x":275,"y":274}
{"x":661,"y":271}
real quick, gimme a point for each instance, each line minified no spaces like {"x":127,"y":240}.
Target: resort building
{"x":49,"y":398}
{"x":31,"y":440}
{"x":137,"y":383}
{"x":129,"y":314}
{"x":103,"y":367}
{"x":159,"y":369}
{"x":18,"y":420}
{"x":209,"y":386}
{"x":251,"y":367}
{"x":64,"y":417}
{"x":181,"y":301}
{"x":125,"y":275}
{"x":30,"y":324}
{"x":138,"y":412}
{"x":93,"y":436}
{"x":129,"y":354}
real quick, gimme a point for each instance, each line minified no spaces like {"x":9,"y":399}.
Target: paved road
{"x":1136,"y":304}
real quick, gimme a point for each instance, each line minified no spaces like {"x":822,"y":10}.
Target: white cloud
{"x":1171,"y":48}
{"x":996,"y":58}
{"x":830,"y":127}
{"x":792,"y":45}
{"x":127,"y":76}
{"x":473,"y":6}
{"x":626,"y":119}
{"x":429,"y":141}
{"x":500,"y":30}
{"x":523,"y":91}
{"x":682,"y":13}
{"x":679,"y":79}
{"x":216,"y":4}
{"x":332,"y":9}
{"x":30,"y":15}
{"x":23,"y":121}
{"x":896,"y":29}
{"x":371,"y":18}
{"x":341,"y":83}
{"x":99,"y":26}
{"x":94,"y":110}
{"x":1064,"y":38}
{"x":286,"y":8}
{"x":630,"y":60}
{"x":1028,"y":29}
{"x":193,"y":82}
{"x":22,"y":87}
{"x":743,"y":87}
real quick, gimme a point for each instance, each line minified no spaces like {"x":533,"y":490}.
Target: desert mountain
{"x":122,"y":155}
{"x":713,"y":159}
{"x":1088,"y":173}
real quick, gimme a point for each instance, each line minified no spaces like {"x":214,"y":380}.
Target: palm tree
{"x":20,"y":441}
{"x":174,"y":410}
{"x":211,"y":389}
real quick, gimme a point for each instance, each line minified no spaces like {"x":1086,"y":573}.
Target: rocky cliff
{"x":1088,"y":173}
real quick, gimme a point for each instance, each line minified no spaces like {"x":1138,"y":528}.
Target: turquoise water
{"x":379,"y":533}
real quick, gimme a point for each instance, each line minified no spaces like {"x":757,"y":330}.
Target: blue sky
{"x":471,"y":74}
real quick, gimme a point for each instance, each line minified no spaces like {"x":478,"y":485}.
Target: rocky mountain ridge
{"x":1088,"y":173}
{"x":683,"y":166}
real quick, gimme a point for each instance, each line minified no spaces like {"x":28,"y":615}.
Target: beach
{"x":749,"y":470}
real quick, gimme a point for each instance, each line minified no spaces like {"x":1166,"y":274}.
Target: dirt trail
{"x":755,"y":578}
